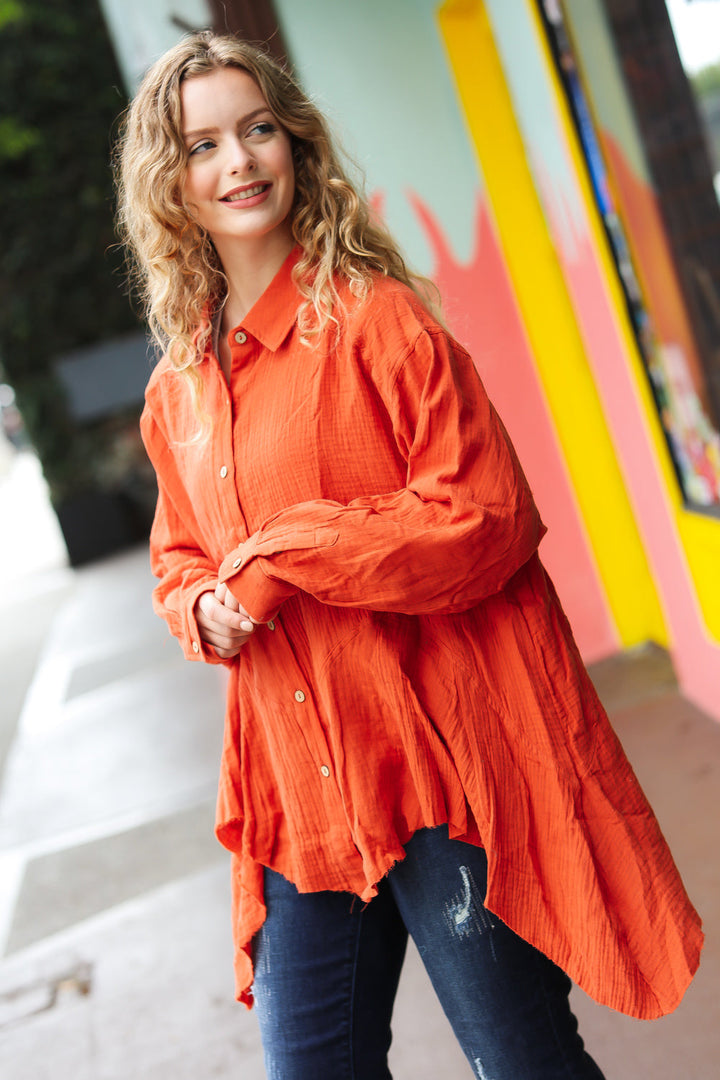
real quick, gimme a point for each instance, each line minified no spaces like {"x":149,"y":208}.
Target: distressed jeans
{"x":327,"y":968}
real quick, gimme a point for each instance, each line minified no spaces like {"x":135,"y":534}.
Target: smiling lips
{"x":246,"y":193}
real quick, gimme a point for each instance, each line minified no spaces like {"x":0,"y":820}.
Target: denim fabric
{"x":327,"y":969}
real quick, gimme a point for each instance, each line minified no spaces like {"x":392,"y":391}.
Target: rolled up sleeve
{"x":459,"y":529}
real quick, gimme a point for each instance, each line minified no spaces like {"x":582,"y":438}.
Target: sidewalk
{"x":114,"y":898}
{"x":114,"y":893}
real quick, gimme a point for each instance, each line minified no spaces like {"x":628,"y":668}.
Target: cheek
{"x":185,"y":190}
{"x":285,"y":163}
{"x":291,"y":191}
{"x":194,"y":196}
{"x":289,"y":169}
{"x":181,"y":194}
{"x":190,"y":189}
{"x":198,"y":182}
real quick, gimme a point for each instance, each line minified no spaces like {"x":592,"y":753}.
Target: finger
{"x":248,"y":616}
{"x":223,"y":594}
{"x":226,"y":654}
{"x":213,"y":611}
{"x":216,"y":634}
{"x":223,"y":630}
{"x":222,"y":640}
{"x":231,"y":603}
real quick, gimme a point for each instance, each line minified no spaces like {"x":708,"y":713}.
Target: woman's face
{"x":240,"y":181}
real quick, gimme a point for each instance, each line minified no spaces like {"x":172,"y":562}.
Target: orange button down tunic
{"x":362,"y":498}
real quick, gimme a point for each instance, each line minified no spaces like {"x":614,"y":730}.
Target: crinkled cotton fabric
{"x":359,"y":495}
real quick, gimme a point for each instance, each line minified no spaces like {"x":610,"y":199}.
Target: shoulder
{"x":167,"y":388}
{"x":390,"y":319}
{"x":168,"y":414}
{"x":158,"y":382}
{"x":392,"y":302}
{"x":391,"y":330}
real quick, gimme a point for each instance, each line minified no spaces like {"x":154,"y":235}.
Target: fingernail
{"x":247,"y":626}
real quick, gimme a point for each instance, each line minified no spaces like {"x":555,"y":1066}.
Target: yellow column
{"x":551,"y":325}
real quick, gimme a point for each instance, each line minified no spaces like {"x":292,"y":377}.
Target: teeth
{"x":247,"y":194}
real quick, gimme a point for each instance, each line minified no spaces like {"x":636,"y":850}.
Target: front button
{"x":237,"y":564}
{"x":324,"y":770}
{"x":270,"y":625}
{"x":224,"y":471}
{"x":299,"y":696}
{"x":195,"y":647}
{"x":241,"y":337}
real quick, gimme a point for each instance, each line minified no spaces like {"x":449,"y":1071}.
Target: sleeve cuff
{"x":261,"y":596}
{"x":192,"y":644}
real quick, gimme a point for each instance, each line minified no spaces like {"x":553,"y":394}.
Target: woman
{"x":411,"y":742}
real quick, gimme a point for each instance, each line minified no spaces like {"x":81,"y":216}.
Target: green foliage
{"x":10,"y":11}
{"x":707,"y":80}
{"x":60,"y":273}
{"x":16,"y":140}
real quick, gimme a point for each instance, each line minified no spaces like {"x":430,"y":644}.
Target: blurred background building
{"x":553,"y":165}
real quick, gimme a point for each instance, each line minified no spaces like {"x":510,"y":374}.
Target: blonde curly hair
{"x":172,"y":258}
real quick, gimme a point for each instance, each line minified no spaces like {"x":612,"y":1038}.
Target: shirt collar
{"x":272,"y":317}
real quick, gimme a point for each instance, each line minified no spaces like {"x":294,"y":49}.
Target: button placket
{"x":312,"y":727}
{"x":300,"y":697}
{"x":229,"y":507}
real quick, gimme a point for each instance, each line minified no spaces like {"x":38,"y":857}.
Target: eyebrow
{"x":214,"y":130}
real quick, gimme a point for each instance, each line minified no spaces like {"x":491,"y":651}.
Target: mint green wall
{"x":538,"y":117}
{"x":593,"y":44}
{"x":378,"y":69}
{"x":141,"y":31}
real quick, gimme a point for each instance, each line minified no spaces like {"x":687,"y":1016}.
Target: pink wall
{"x":482,"y":313}
{"x":695,"y":655}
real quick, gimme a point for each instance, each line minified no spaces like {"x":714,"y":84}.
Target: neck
{"x":249,"y":269}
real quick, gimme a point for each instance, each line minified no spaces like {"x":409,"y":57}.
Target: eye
{"x":263,"y":127}
{"x":199,"y":147}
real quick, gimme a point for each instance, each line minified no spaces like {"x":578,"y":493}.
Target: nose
{"x":240,"y":158}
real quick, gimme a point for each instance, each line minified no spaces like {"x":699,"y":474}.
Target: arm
{"x":188,"y":596}
{"x":458,"y":530}
{"x":185,"y":575}
{"x":223,"y":622}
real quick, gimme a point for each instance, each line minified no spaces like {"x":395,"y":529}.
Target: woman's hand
{"x":223,"y":622}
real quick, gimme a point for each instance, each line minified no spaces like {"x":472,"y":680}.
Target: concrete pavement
{"x":114,"y":894}
{"x":114,"y":898}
